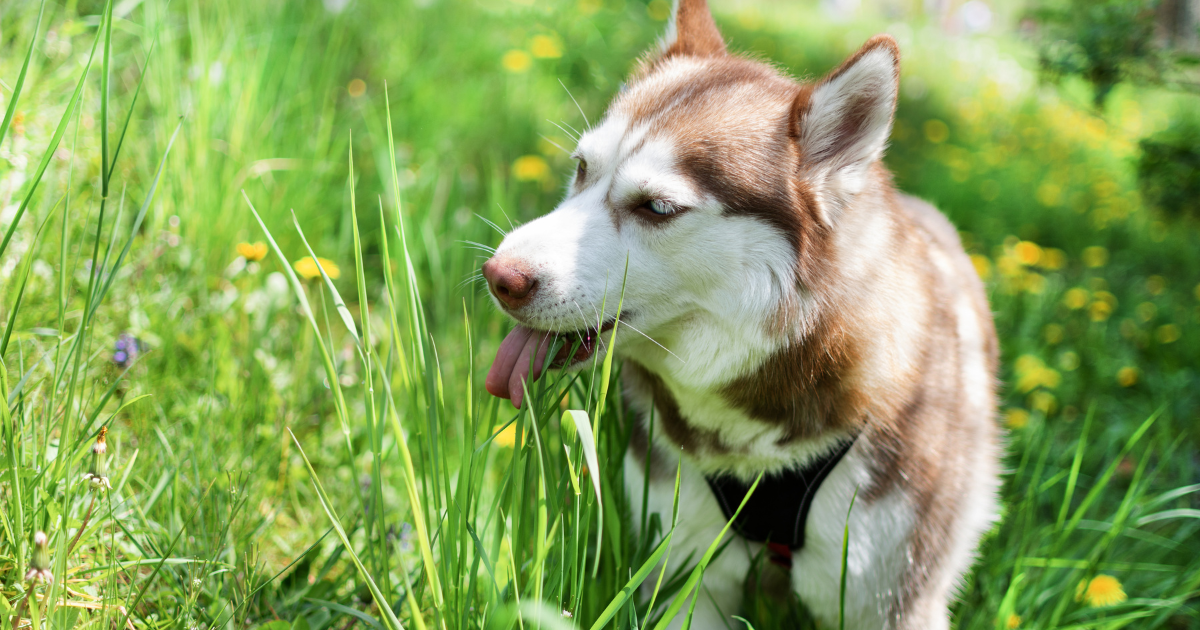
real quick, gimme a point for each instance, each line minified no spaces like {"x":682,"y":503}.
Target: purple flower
{"x":127,"y":350}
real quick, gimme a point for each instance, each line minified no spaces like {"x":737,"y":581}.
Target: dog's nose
{"x":510,"y":281}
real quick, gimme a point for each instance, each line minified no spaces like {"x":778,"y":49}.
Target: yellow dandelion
{"x":1053,"y":259}
{"x":1168,"y":333}
{"x":983,"y":266}
{"x":1102,"y":590}
{"x":516,"y":61}
{"x":356,"y":88}
{"x":1099,"y":311}
{"x":936,"y":131}
{"x":530,"y":168}
{"x":252,"y":252}
{"x":1076,"y":298}
{"x":1016,"y":418}
{"x":1013,"y":622}
{"x":309,"y":271}
{"x":1043,"y":401}
{"x":508,"y":437}
{"x":1127,"y":376}
{"x":545,"y":47}
{"x":1095,"y":256}
{"x":1028,"y":253}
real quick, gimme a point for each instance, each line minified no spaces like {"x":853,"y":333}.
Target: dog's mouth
{"x":522,"y":356}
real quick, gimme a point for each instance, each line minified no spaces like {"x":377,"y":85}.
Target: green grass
{"x":311,"y":453}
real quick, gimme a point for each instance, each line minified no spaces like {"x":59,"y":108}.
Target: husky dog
{"x":783,"y":303}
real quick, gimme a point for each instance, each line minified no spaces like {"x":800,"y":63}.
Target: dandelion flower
{"x":307,"y":268}
{"x":530,"y":168}
{"x":1028,"y":253}
{"x":508,"y":437}
{"x":1016,"y":418}
{"x":1127,"y":376}
{"x":1076,"y":298}
{"x":252,"y":252}
{"x":1102,"y":590}
{"x":1013,"y":622}
{"x":1095,"y":256}
{"x":545,"y":47}
{"x":516,"y":61}
{"x":356,"y":88}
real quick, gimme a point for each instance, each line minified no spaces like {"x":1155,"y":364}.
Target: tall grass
{"x":314,"y":452}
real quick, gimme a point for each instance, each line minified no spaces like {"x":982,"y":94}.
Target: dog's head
{"x":704,"y":197}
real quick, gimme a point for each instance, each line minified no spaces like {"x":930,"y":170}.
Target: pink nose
{"x":510,"y":281}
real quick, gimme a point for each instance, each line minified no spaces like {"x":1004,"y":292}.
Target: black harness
{"x":778,"y":509}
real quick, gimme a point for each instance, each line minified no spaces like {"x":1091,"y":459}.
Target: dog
{"x":787,"y":313}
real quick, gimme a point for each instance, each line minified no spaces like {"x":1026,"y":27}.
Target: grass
{"x":319,"y":452}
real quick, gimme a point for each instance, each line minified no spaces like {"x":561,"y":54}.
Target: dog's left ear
{"x":843,"y":123}
{"x":692,"y":31}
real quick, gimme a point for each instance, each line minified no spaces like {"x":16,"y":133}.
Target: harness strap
{"x":778,"y":510}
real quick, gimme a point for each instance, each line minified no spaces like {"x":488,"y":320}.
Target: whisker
{"x":564,"y":87}
{"x":471,"y":279}
{"x":544,"y":137}
{"x":577,"y":132}
{"x":573,"y":136}
{"x":480,"y":246}
{"x":651,"y":339}
{"x":494,"y":226}
{"x":506,"y":218}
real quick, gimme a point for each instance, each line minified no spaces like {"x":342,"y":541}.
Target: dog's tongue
{"x":512,"y":365}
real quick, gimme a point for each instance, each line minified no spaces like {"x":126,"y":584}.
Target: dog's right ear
{"x":842,"y":123}
{"x":691,"y":31}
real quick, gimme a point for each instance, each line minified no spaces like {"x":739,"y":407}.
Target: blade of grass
{"x":15,"y":97}
{"x":692,"y":585}
{"x":30,"y":256}
{"x":845,"y":559}
{"x":389,"y":617}
{"x":53,"y":144}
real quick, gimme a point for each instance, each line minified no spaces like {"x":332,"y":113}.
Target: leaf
{"x":584,"y":428}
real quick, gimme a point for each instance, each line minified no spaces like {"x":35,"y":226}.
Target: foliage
{"x":1108,"y":42}
{"x":1169,"y":167}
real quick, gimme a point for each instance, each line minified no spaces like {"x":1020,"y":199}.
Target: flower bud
{"x":39,"y":565}
{"x":98,"y":470}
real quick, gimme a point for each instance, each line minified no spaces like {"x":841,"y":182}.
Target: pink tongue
{"x":513,"y":362}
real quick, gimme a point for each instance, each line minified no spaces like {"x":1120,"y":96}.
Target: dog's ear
{"x":692,"y":31}
{"x":842,"y":123}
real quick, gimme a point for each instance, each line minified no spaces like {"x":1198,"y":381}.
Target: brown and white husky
{"x":783,"y":300}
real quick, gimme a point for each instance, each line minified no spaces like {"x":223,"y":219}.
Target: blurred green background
{"x":1062,"y":146}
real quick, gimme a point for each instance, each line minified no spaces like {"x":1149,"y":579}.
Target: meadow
{"x":293,"y":449}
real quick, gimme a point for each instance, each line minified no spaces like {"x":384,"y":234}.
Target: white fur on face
{"x":700,"y":284}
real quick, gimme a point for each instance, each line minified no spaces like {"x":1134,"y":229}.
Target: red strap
{"x":781,"y":555}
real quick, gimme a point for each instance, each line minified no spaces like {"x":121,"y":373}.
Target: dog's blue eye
{"x":660,"y":207}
